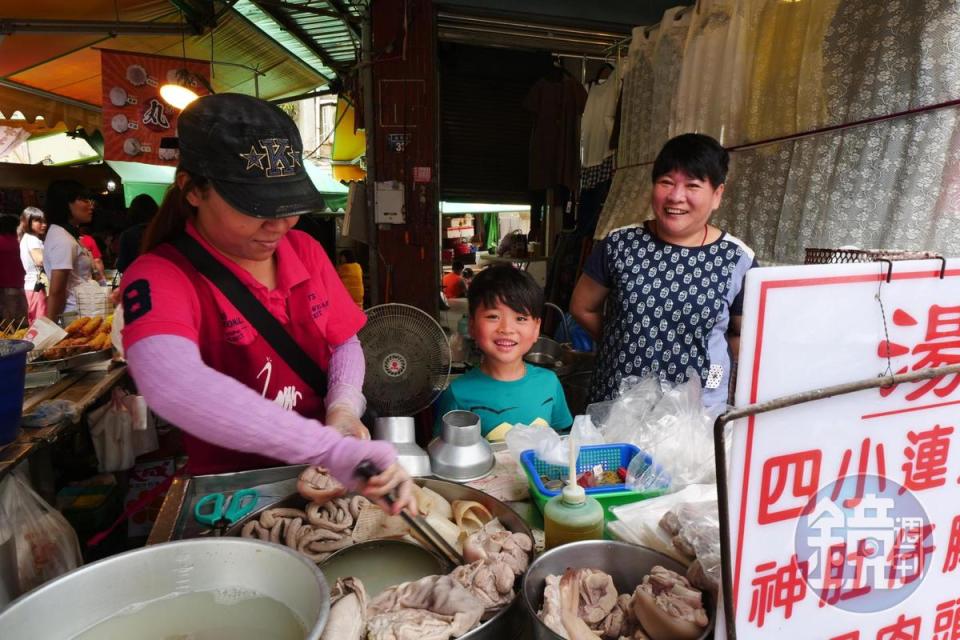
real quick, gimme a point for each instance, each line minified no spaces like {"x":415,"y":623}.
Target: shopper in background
{"x":351,"y":274}
{"x":140,"y":212}
{"x":13,"y":303}
{"x":453,"y":284}
{"x":34,"y":227}
{"x":467,"y":276}
{"x":223,"y":375}
{"x":65,"y":261}
{"x":88,"y":243}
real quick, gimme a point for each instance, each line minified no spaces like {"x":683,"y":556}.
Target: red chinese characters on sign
{"x":801,"y":472}
{"x":903,"y":629}
{"x":946,"y":624}
{"x":777,"y":588}
{"x":952,"y":558}
{"x":834,"y":587}
{"x":135,"y":118}
{"x":926,"y":463}
{"x":941,"y":347}
{"x":862,"y":469}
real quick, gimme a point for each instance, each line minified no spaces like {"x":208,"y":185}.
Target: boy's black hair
{"x":467,"y":273}
{"x":695,"y":154}
{"x":507,"y":284}
{"x":457,"y":266}
{"x":348,"y":257}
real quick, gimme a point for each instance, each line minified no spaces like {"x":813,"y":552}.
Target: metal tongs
{"x":420,"y":526}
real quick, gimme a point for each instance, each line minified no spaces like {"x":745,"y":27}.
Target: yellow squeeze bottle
{"x":573,"y":515}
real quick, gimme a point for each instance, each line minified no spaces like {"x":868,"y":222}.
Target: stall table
{"x":83,"y":388}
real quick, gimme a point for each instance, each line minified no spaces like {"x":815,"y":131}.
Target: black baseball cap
{"x":252,"y":153}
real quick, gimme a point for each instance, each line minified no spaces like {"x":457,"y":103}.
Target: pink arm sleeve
{"x":181,"y":388}
{"x":345,"y":377}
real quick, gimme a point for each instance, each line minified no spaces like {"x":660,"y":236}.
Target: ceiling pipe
{"x":9,"y":26}
{"x":50,"y":96}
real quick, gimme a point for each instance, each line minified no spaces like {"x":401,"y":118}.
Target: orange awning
{"x":68,"y":64}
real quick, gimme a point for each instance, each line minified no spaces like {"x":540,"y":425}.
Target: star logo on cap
{"x":294,"y":156}
{"x":254,"y":158}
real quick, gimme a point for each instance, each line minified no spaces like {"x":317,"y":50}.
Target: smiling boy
{"x":505,"y":309}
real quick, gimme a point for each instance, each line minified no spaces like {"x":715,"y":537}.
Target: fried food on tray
{"x":91,"y":326}
{"x":84,"y":335}
{"x":74,"y":326}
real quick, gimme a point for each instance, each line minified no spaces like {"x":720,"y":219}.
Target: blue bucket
{"x":13,"y":370}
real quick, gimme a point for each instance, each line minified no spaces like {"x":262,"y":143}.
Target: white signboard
{"x":845,"y":512}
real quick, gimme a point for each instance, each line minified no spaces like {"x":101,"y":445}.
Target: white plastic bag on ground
{"x":45,"y":545}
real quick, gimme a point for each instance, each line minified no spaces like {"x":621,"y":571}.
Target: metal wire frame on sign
{"x":773,"y":405}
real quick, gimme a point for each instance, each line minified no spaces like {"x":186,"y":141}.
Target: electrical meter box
{"x":388,"y":203}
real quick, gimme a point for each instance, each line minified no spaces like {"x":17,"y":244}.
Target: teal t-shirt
{"x":538,"y":394}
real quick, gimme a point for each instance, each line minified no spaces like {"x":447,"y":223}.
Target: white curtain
{"x":649,"y":88}
{"x":892,"y":185}
{"x":713,"y":81}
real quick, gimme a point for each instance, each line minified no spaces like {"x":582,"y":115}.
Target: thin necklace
{"x":703,"y":240}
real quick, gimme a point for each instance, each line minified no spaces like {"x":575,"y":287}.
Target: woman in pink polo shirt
{"x":198,"y":360}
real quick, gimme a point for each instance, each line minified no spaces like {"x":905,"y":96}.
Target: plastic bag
{"x":546,"y":442}
{"x":639,"y":522}
{"x":116,"y":330}
{"x":669,"y":424}
{"x":45,"y":545}
{"x":50,"y":412}
{"x":121,"y":431}
{"x":699,"y":533}
{"x":618,"y":418}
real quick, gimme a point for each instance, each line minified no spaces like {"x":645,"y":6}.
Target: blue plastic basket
{"x":609,"y":456}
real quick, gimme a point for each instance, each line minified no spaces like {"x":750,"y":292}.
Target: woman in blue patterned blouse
{"x":672,"y":285}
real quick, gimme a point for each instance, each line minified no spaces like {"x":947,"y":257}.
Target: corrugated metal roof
{"x":322,"y":33}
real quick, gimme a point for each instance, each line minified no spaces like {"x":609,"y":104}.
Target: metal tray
{"x":71,"y":362}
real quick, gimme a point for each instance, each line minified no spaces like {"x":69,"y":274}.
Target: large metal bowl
{"x":627,"y":564}
{"x":505,"y":621}
{"x":74,"y":602}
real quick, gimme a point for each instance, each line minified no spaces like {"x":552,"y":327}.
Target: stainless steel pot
{"x":76,"y":601}
{"x":627,"y":564}
{"x":545,"y":352}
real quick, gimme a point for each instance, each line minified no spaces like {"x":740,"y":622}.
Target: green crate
{"x":610,"y":457}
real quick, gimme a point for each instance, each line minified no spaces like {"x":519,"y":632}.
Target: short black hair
{"x":457,"y":266}
{"x":347,"y":255}
{"x":507,"y":284}
{"x":8,"y":225}
{"x":60,"y":194}
{"x":695,"y":154}
{"x":467,"y":273}
{"x":142,"y":209}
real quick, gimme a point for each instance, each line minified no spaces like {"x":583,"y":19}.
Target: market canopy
{"x":50,"y":63}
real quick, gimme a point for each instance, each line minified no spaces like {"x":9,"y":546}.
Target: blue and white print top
{"x":669,"y":308}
